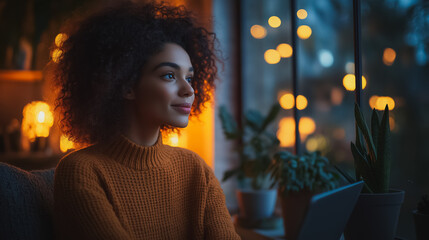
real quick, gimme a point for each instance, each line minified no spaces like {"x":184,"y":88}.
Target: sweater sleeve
{"x":82,"y":209}
{"x":217,"y":220}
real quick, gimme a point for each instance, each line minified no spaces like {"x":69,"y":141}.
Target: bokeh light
{"x":37,"y":120}
{"x":285,"y":50}
{"x":286,"y":131}
{"x":301,"y":14}
{"x":304,"y":32}
{"x":316,"y":143}
{"x":301,"y":102}
{"x":287,"y":101}
{"x":274,"y":21}
{"x":337,"y":96}
{"x":66,"y":144}
{"x":272,"y":56}
{"x":326,"y":58}
{"x":379,"y":102}
{"x":258,"y":31}
{"x":389,"y":56}
{"x":349,"y":82}
{"x":350,"y":67}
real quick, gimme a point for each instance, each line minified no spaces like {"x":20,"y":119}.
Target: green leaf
{"x":344,"y":174}
{"x":375,"y":127}
{"x":362,"y":165}
{"x":230,"y":173}
{"x":383,"y":163}
{"x":360,"y":120}
{"x":254,"y":120}
{"x":274,"y":111}
{"x":229,"y":125}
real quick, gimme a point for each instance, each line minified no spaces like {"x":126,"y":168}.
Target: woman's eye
{"x":168,"y":76}
{"x":189,"y":79}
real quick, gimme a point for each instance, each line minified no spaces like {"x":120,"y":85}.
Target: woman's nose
{"x":186,"y":89}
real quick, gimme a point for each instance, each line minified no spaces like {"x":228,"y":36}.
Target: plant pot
{"x":375,"y":216}
{"x":421,"y":222}
{"x":294,"y":208}
{"x":255,"y":205}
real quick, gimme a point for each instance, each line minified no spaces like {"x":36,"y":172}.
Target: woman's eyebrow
{"x":170,"y":64}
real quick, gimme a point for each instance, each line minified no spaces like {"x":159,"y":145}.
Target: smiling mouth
{"x":182,"y":109}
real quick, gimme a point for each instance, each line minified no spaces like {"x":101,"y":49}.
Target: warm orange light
{"x":381,"y":102}
{"x":41,"y":117}
{"x":274,"y":21}
{"x":316,"y":143}
{"x":373,"y":101}
{"x":56,"y":55}
{"x":172,"y":139}
{"x":389,"y":56}
{"x":60,"y":38}
{"x":272,"y":56}
{"x":287,"y":101}
{"x":349,"y":82}
{"x":301,"y":102}
{"x":304,"y":32}
{"x":285,"y":50}
{"x":306,"y":125}
{"x":286,"y":131}
{"x":301,"y":14}
{"x":66,"y":144}
{"x":37,"y":120}
{"x":258,"y":31}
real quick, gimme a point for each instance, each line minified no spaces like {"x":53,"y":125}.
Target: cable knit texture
{"x":122,"y":190}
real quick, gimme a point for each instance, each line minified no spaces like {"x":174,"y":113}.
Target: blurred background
{"x":255,"y":39}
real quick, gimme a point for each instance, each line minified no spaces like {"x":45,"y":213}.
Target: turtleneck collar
{"x":133,"y":155}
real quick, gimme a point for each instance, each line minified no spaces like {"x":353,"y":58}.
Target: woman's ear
{"x":128,"y":94}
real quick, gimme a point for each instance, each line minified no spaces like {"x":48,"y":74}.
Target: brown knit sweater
{"x":122,"y":190}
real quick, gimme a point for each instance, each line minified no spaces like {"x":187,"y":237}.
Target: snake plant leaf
{"x":362,"y":165}
{"x":365,"y":131}
{"x":384,"y":153}
{"x":229,"y":125}
{"x":375,"y":127}
{"x":274,"y":111}
{"x":344,"y":174}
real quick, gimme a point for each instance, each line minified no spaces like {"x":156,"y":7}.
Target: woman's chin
{"x":178,"y":124}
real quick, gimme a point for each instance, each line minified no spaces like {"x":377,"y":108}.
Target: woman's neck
{"x":142,"y":136}
{"x":141,"y":133}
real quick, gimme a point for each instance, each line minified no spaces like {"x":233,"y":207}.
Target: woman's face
{"x":164,"y":95}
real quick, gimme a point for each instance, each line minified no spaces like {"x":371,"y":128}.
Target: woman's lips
{"x":182,"y":108}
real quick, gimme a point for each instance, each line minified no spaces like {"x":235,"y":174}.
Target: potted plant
{"x":298,"y":179}
{"x":255,"y":145}
{"x":376,"y":212}
{"x":421,"y":218}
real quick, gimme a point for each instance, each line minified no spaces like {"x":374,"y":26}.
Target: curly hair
{"x":104,"y":54}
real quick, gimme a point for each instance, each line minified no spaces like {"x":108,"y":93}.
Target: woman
{"x":126,"y":75}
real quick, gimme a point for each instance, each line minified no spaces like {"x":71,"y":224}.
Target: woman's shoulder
{"x":191,"y":159}
{"x":80,"y":160}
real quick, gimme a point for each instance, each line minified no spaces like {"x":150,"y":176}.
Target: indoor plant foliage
{"x":256,"y":145}
{"x":309,"y":171}
{"x":299,"y":177}
{"x":372,"y":160}
{"x":376,"y":212}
